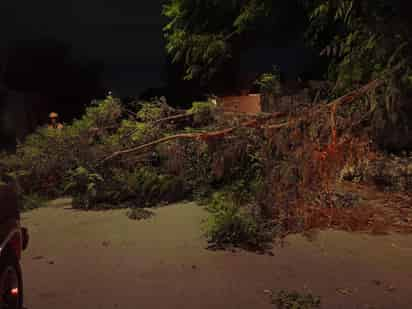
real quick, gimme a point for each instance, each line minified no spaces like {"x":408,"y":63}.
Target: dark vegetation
{"x":262,"y":175}
{"x":292,"y":300}
{"x":39,"y":76}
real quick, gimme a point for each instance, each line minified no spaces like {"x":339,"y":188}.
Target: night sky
{"x":126,"y":35}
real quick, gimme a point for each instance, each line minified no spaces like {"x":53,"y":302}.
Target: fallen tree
{"x":205,"y":136}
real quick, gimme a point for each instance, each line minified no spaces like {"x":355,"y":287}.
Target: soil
{"x":105,"y":260}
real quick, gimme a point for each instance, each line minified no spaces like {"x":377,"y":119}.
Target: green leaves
{"x":250,"y":12}
{"x":200,"y":34}
{"x":82,"y":184}
{"x":270,"y":82}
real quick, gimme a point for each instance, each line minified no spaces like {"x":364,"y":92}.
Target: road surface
{"x":102,"y":260}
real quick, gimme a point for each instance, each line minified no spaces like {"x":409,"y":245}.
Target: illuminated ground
{"x":105,"y":260}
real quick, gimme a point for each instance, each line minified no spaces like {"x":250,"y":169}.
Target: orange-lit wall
{"x":250,"y":104}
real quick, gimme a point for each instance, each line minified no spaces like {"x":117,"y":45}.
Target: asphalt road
{"x":104,"y":260}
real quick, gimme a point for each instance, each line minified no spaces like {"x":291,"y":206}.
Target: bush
{"x":122,"y":188}
{"x":231,"y":224}
{"x":32,"y":201}
{"x":203,"y":113}
{"x":139,"y":214}
{"x":270,"y":82}
{"x":145,"y":187}
{"x":83,"y":185}
{"x":154,"y":110}
{"x":46,"y":154}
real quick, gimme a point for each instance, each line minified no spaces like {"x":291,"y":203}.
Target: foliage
{"x":270,"y":82}
{"x":143,"y":187}
{"x":365,"y":40}
{"x":295,"y":300}
{"x":139,"y":214}
{"x":27,"y":200}
{"x":46,"y":155}
{"x":362,"y":47}
{"x":203,"y":113}
{"x":151,"y":111}
{"x":99,"y":114}
{"x":206,"y":35}
{"x":32,"y":201}
{"x":134,"y":130}
{"x":83,"y":184}
{"x":231,"y":224}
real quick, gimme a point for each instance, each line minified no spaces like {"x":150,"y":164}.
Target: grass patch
{"x":139,"y":214}
{"x":230,"y":224}
{"x":295,"y":300}
{"x":32,"y":201}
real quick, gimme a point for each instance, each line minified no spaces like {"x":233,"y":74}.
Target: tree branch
{"x":204,"y":136}
{"x":180,"y":116}
{"x":346,"y":99}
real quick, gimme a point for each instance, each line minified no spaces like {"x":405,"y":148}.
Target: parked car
{"x":13,"y":240}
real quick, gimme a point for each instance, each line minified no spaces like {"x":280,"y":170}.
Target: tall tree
{"x":208,"y":36}
{"x":364,"y":40}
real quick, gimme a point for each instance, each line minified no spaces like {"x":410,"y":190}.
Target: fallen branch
{"x":352,"y":96}
{"x":346,"y":99}
{"x":180,"y":116}
{"x":204,"y":136}
{"x":151,"y":144}
{"x":159,"y":121}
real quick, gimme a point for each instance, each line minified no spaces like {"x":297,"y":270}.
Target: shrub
{"x":83,"y":184}
{"x":203,"y":113}
{"x":46,"y":155}
{"x":139,"y":214}
{"x":154,"y":110}
{"x":32,"y":201}
{"x":100,"y":114}
{"x":231,"y":224}
{"x":270,"y":82}
{"x":138,"y":188}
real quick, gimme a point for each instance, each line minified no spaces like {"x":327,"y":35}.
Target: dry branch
{"x":346,"y":99}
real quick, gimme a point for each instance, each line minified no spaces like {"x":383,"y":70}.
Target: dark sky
{"x":126,"y":35}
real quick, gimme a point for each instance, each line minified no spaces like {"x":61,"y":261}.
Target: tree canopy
{"x":361,"y":38}
{"x":205,"y":35}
